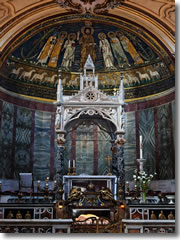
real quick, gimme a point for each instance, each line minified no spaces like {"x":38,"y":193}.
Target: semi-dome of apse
{"x":116,"y":45}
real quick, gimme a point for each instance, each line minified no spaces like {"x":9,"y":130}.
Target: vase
{"x":143,"y":197}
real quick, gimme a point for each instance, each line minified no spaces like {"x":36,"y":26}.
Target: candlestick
{"x":141,"y":163}
{"x":55,"y":184}
{"x":47,"y":180}
{"x":141,"y":153}
{"x":127,"y":187}
{"x":74,"y":171}
{"x":69,"y":171}
{"x":38,"y":184}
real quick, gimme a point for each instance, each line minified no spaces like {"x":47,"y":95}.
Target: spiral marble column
{"x":60,"y":140}
{"x":118,"y":163}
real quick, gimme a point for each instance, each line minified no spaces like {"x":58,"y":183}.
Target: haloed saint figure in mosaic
{"x":87,"y":44}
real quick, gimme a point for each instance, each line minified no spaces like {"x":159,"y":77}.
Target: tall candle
{"x":69,"y":164}
{"x":141,"y":153}
{"x":73,"y":163}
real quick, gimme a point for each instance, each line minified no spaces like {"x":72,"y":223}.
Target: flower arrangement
{"x":142,"y":182}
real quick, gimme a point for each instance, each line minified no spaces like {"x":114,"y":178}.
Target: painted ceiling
{"x":64,"y":42}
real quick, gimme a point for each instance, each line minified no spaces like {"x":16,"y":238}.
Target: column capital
{"x":60,"y":140}
{"x":120,"y":141}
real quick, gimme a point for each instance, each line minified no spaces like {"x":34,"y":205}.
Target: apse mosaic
{"x":66,"y":47}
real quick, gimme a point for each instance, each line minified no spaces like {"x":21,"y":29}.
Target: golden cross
{"x":108,"y":158}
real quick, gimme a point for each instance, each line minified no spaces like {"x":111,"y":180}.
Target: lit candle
{"x":141,"y":153}
{"x":73,"y":163}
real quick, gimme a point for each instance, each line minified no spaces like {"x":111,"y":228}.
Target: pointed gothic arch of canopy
{"x":98,"y":117}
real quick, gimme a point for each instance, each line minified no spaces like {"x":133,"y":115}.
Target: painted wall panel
{"x":164,"y":143}
{"x":42,"y":136}
{"x":38,"y":153}
{"x":146,"y":129}
{"x":173,"y":119}
{"x":23,"y":141}
{"x":6,"y":139}
{"x":130,"y":146}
